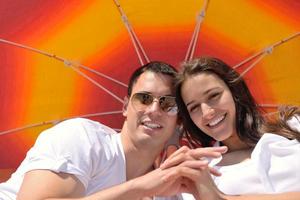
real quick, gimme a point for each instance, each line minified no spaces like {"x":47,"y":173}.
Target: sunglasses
{"x":141,"y":101}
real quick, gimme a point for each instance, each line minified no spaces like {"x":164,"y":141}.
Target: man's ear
{"x":125,"y":105}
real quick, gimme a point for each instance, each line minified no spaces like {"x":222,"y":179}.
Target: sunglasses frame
{"x":171,"y":111}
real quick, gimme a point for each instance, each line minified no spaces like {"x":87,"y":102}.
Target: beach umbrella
{"x":62,"y":59}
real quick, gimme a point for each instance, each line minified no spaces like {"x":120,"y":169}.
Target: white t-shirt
{"x":274,"y":167}
{"x":89,"y":150}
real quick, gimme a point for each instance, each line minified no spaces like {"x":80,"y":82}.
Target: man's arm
{"x":47,"y":185}
{"x":43,"y":184}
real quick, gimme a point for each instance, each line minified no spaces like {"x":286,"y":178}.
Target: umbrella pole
{"x":192,"y":46}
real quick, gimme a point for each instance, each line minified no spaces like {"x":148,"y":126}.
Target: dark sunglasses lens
{"x":144,"y":98}
{"x":141,"y":100}
{"x":167,"y":103}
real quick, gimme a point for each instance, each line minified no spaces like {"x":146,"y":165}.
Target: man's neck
{"x":138,"y":162}
{"x":139,"y":159}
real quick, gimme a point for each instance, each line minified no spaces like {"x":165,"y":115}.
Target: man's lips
{"x":151,"y":125}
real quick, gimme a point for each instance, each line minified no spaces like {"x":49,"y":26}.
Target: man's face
{"x":150,"y":125}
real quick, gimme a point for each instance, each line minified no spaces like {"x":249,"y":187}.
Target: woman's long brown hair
{"x":250,"y":122}
{"x":278,"y":124}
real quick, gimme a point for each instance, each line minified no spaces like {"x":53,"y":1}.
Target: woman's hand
{"x":157,"y":183}
{"x":195,"y":158}
{"x":191,"y":166}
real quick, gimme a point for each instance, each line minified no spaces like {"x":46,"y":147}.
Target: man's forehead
{"x":153,"y":82}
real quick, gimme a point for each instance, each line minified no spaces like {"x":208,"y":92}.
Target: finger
{"x":176,"y":158}
{"x":184,"y":153}
{"x":175,"y":161}
{"x":199,"y":154}
{"x":208,"y":152}
{"x":157,"y":161}
{"x":171,"y":149}
{"x":187,"y":186}
{"x":214,"y":171}
{"x":195,"y":164}
{"x":181,"y":150}
{"x":190,"y":173}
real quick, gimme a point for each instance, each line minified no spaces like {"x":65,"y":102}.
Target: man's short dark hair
{"x":153,"y":66}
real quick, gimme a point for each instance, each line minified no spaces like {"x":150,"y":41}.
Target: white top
{"x":89,"y":150}
{"x":274,"y":167}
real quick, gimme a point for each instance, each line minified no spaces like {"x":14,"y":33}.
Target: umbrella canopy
{"x":61,"y":59}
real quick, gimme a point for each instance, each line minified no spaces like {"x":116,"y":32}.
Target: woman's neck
{"x":235,"y":157}
{"x":234,"y":143}
{"x":238,"y":151}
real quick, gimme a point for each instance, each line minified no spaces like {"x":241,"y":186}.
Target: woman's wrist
{"x":208,"y":193}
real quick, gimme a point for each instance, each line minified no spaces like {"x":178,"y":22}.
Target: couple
{"x":83,"y":159}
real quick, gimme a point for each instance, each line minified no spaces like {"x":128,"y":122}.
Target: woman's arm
{"x":200,"y":184}
{"x":282,"y":196}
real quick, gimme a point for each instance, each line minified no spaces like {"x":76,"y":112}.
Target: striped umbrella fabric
{"x":61,"y":59}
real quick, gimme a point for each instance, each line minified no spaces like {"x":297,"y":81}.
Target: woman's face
{"x":210,"y":105}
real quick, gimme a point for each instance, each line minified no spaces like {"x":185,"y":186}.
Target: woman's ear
{"x":125,"y":105}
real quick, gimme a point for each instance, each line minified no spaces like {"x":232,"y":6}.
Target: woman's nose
{"x":207,"y":111}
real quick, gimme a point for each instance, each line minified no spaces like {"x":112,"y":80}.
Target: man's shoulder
{"x":77,"y":129}
{"x":83,"y":123}
{"x":79,"y":122}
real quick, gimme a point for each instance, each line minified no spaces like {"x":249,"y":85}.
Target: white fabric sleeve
{"x":278,"y":163}
{"x":66,"y":147}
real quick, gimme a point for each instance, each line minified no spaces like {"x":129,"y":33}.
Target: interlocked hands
{"x":186,"y":170}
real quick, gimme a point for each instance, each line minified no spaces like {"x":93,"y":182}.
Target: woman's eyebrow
{"x":205,"y":93}
{"x":189,"y":103}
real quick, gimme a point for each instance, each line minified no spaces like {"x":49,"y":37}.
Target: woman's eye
{"x":193,"y":109}
{"x":214,"y":95}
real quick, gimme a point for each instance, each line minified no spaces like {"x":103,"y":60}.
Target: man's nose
{"x":154,"y":106}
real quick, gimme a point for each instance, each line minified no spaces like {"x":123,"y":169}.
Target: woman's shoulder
{"x":294,"y":123}
{"x":274,"y":138}
{"x":273,"y":145}
{"x":277,"y":159}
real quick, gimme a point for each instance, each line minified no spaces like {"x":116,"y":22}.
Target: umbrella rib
{"x":195,"y":40}
{"x":268,"y":105}
{"x":72,"y":66}
{"x":134,"y":39}
{"x":67,"y":63}
{"x":94,"y":82}
{"x":267,"y":49}
{"x":270,"y":113}
{"x":192,"y":45}
{"x":103,"y":75}
{"x":60,"y":59}
{"x":253,"y":64}
{"x":57,"y":121}
{"x":136,"y":48}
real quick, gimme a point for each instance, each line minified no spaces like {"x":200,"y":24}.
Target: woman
{"x":216,"y":105}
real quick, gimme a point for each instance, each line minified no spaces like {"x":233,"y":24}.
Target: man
{"x":80,"y":158}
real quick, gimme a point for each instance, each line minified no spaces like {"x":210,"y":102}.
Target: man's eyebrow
{"x":147,"y":92}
